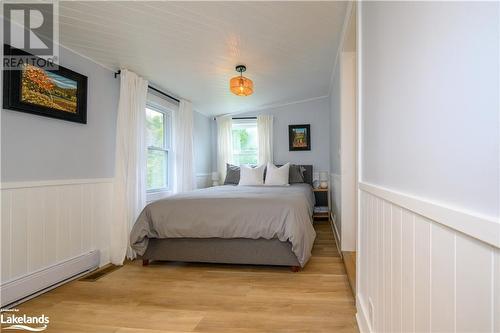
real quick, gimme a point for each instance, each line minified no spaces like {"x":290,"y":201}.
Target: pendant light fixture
{"x":240,"y":85}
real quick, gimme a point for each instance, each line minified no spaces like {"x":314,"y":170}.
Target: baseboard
{"x":36,"y":282}
{"x":335,"y":233}
{"x":361,"y":318}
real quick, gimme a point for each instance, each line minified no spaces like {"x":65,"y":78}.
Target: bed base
{"x":222,"y":251}
{"x":295,"y":269}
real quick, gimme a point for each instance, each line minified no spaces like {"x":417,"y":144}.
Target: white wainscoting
{"x":416,"y":274}
{"x":335,"y":197}
{"x":203,"y":180}
{"x":44,"y":224}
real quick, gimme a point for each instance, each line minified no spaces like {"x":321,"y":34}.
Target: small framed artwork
{"x":60,"y":93}
{"x":299,"y":137}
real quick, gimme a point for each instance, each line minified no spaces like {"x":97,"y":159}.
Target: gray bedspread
{"x":282,"y":212}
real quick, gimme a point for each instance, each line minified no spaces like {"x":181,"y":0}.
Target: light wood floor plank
{"x":180,"y":297}
{"x":350,"y":267}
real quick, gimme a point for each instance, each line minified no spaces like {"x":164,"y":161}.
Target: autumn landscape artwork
{"x":48,"y":89}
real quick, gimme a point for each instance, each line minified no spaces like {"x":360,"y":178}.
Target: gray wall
{"x":314,"y":112}
{"x":430,"y":85}
{"x":202,"y":143}
{"x":41,"y":148}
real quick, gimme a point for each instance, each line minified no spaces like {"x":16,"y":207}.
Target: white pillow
{"x":277,"y":176}
{"x":251,"y":176}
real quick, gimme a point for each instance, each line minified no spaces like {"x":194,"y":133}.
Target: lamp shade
{"x":241,"y":86}
{"x":215,"y":176}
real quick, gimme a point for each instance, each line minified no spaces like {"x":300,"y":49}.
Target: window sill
{"x":153,"y":196}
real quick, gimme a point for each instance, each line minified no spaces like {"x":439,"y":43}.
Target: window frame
{"x":157,"y":193}
{"x":244,"y":121}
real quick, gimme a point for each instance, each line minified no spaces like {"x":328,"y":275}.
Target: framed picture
{"x":60,"y":93}
{"x":299,"y":137}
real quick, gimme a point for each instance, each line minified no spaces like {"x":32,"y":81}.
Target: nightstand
{"x":322,"y":206}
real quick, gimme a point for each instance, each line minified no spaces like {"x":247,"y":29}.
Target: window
{"x":158,"y":142}
{"x":245,"y":143}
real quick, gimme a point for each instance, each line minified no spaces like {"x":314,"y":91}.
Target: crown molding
{"x":86,"y":57}
{"x":345,"y":26}
{"x":273,"y":106}
{"x":115,"y":70}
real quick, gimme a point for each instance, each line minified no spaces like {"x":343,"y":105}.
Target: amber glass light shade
{"x":241,"y":86}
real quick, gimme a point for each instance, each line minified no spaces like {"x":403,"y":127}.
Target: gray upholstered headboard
{"x":308,"y":174}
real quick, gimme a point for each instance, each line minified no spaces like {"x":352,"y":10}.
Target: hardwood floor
{"x":177,"y":297}
{"x":350,"y":267}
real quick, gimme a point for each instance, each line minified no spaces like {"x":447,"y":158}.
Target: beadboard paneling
{"x":46,"y":223}
{"x":276,"y":56}
{"x":423,"y":276}
{"x":335,"y":199}
{"x":203,"y":180}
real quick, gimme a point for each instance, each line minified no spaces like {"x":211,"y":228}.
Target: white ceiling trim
{"x":113,"y":71}
{"x":191,"y":48}
{"x":278,"y":105}
{"x":343,"y":35}
{"x":88,"y":58}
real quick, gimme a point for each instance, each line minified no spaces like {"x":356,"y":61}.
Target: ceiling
{"x":191,"y":48}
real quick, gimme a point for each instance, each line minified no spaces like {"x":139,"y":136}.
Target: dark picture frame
{"x":299,"y":137}
{"x":13,"y":98}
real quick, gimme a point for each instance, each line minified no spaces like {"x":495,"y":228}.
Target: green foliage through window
{"x":245,"y":142}
{"x":154,"y":128}
{"x":157,"y":159}
{"x":156,"y":169}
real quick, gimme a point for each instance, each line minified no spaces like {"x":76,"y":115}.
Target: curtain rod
{"x":154,"y":89}
{"x":238,"y":118}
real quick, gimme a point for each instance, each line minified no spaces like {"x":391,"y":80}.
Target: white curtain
{"x":265,"y":133}
{"x":184,"y":179}
{"x":224,"y":144}
{"x":129,"y":187}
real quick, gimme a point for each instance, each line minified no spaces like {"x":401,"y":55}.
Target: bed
{"x":259,"y":225}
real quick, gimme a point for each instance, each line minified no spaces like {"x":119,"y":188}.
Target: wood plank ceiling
{"x":191,"y":48}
